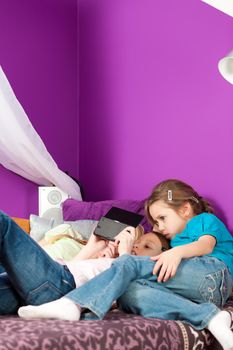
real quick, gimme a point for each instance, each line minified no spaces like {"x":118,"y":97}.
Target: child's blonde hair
{"x":175,"y":193}
{"x":139,"y":231}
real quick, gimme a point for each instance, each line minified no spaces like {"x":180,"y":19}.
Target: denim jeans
{"x":201,"y":286}
{"x":31,"y":276}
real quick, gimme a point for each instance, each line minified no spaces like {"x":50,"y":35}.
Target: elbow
{"x":208,"y":250}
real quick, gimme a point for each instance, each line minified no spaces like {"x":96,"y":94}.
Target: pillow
{"x":84,"y":227}
{"x":39,"y":226}
{"x":64,"y":248}
{"x":81,"y":210}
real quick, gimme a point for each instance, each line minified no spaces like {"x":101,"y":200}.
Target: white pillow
{"x":38,"y":226}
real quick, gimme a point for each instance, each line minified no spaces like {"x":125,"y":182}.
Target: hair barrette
{"x":194,"y":199}
{"x":169,"y":195}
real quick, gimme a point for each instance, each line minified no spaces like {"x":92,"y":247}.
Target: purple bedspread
{"x":118,"y":331}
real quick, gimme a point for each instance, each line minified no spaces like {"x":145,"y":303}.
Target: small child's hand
{"x":109,"y":252}
{"x":127,"y":232}
{"x":125,"y":240}
{"x":166,"y":264}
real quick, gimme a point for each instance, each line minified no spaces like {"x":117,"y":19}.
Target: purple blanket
{"x":118,"y":331}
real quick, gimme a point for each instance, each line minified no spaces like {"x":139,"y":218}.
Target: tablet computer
{"x":115,"y":221}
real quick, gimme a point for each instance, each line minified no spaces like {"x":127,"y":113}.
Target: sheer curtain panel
{"x":21,"y":148}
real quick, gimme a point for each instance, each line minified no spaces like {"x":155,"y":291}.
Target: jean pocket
{"x":44,"y":293}
{"x":226,"y":286}
{"x":215,"y":287}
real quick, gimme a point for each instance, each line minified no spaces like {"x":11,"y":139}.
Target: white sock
{"x":219,"y":326}
{"x":63,"y":309}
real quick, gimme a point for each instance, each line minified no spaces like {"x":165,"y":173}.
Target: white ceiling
{"x":225,"y":6}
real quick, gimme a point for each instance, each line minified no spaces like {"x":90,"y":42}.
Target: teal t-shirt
{"x":208,"y":224}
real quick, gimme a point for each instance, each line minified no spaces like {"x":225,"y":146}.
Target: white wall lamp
{"x":225,"y":65}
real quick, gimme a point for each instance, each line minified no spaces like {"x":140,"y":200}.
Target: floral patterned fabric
{"x":118,"y":331}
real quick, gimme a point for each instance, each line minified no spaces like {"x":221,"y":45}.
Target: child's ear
{"x":186,"y":210}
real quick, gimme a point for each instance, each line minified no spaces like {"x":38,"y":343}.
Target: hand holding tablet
{"x":115,"y":221}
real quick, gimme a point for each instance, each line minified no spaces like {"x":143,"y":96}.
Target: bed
{"x":118,"y":331}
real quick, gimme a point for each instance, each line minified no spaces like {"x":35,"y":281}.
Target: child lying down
{"x":84,"y":266}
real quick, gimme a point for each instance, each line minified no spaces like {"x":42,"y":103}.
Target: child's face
{"x":149,"y":245}
{"x":167,"y":220}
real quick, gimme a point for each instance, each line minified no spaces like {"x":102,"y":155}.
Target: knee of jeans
{"x":4,"y":220}
{"x":2,"y":216}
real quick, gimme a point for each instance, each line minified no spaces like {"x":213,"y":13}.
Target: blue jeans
{"x":201,"y":286}
{"x":31,"y":276}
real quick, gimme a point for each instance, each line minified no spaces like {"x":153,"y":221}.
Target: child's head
{"x":150,"y":244}
{"x":171,"y":204}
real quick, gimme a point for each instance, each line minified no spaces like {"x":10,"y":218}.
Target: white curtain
{"x":21,"y":148}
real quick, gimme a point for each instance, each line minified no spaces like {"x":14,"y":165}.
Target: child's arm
{"x":109,"y":252}
{"x":168,"y":262}
{"x":91,"y":249}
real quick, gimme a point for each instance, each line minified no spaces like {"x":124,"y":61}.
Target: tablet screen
{"x":115,"y":221}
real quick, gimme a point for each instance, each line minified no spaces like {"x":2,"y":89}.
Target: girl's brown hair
{"x":175,"y":193}
{"x":164,"y":241}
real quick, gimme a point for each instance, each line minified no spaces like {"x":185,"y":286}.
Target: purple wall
{"x":152,"y":103}
{"x":38,"y":53}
